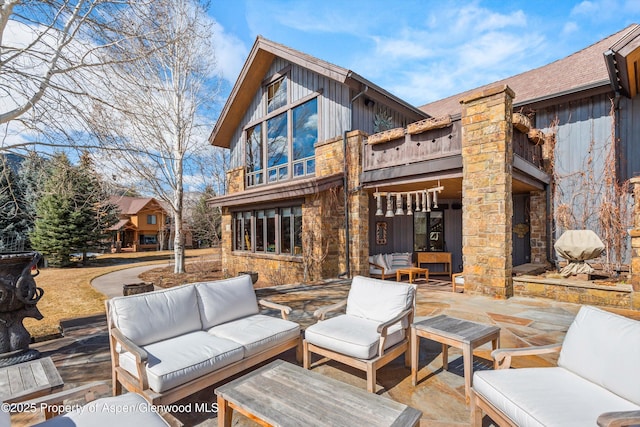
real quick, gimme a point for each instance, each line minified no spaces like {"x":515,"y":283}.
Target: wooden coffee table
{"x":458,"y":333}
{"x":27,"y":380}
{"x":413,"y":273}
{"x":282,"y":394}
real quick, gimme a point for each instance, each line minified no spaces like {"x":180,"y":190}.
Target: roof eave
{"x":407,"y":108}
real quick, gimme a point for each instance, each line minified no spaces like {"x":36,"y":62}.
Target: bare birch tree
{"x":47,"y":49}
{"x":151,"y":115}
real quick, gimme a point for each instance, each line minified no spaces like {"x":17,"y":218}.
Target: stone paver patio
{"x":82,"y":355}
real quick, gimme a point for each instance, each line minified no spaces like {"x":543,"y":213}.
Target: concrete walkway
{"x":110,"y":284}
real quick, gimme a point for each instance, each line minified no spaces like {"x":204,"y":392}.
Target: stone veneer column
{"x":635,"y":238}
{"x":235,"y":184}
{"x":487,"y":205}
{"x":538,"y":224}
{"x":358,"y":202}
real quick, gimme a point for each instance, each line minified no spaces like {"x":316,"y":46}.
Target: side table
{"x":413,"y":273}
{"x":28,"y":380}
{"x":458,"y":333}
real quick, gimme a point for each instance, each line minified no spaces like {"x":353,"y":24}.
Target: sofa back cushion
{"x":378,"y":300}
{"x":156,"y":316}
{"x":401,"y":259}
{"x":222,"y":301}
{"x":604,"y":348}
{"x":378,"y":260}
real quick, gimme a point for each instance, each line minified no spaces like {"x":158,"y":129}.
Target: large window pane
{"x":305,"y":129}
{"x":277,"y":94}
{"x":277,"y":140}
{"x":238,"y":229}
{"x":436,"y":231}
{"x":254,"y":155}
{"x":285,"y":230}
{"x":297,"y":230}
{"x":247,"y":231}
{"x":260,"y":231}
{"x":428,"y":231}
{"x":271,"y":230}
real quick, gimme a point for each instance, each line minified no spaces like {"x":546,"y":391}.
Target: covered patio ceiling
{"x":452,"y":187}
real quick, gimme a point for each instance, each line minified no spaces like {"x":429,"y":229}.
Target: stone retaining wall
{"x":578,"y":292}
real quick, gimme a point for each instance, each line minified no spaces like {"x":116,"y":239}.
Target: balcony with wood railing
{"x":433,"y":138}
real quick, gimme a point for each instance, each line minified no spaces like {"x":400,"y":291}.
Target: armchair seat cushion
{"x":353,"y":336}
{"x":257,"y":333}
{"x":184,"y":358}
{"x":547,"y":396}
{"x":102,"y":413}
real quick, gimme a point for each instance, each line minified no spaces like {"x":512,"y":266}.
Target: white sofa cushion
{"x":257,"y":333}
{"x":128,"y":409}
{"x":157,"y":316}
{"x":224,"y":300}
{"x":604,"y":348}
{"x":184,"y":358}
{"x":353,"y":336}
{"x":378,"y":300}
{"x":547,"y":397}
{"x":5,"y":417}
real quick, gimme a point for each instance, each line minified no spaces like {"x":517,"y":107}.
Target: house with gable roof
{"x":328,"y":169}
{"x":143,"y":224}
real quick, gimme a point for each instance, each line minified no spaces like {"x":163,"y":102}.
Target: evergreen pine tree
{"x":92,"y":201}
{"x":206,"y":221}
{"x":73,"y":212}
{"x":55,"y":234}
{"x":14,"y":222}
{"x":32,"y":176}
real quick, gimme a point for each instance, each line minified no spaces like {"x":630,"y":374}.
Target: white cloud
{"x":599,"y":10}
{"x":230,"y":53}
{"x":570,"y":28}
{"x":451,"y":49}
{"x":585,"y":8}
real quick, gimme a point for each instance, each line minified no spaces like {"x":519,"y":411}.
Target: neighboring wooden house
{"x":497,"y":162}
{"x":143,"y":224}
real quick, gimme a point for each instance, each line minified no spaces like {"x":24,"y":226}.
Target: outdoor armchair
{"x":373,"y":331}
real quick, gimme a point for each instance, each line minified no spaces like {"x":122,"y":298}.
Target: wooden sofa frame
{"x":140,"y":385}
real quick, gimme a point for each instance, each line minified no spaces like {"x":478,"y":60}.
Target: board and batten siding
{"x":334,"y":116}
{"x":584,"y":138}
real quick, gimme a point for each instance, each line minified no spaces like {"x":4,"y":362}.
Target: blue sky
{"x":424,"y":50}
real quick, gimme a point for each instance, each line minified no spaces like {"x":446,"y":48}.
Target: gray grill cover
{"x":577,"y":246}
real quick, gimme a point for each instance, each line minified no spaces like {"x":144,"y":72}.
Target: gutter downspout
{"x":345,"y":171}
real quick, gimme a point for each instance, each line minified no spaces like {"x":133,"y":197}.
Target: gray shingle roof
{"x":581,"y":70}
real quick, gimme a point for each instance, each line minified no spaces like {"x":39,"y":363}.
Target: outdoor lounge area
{"x":82,"y":355}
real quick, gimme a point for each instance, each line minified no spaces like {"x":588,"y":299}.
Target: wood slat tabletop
{"x":29,"y":379}
{"x":283,"y":394}
{"x":460,"y":330}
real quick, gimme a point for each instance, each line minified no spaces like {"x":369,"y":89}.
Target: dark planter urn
{"x":137,"y":288}
{"x":18,"y":298}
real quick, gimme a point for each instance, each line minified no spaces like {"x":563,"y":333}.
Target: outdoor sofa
{"x":385,"y":266}
{"x":597,"y":378}
{"x":168,"y":344}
